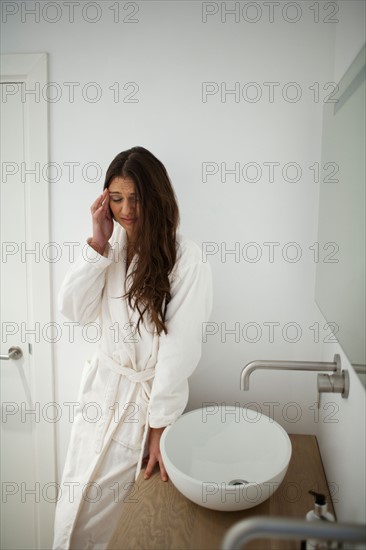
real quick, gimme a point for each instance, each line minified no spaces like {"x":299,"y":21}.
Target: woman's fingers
{"x":102,"y":217}
{"x":163,"y":473}
{"x":105,"y":198}
{"x":155,"y":455}
{"x":149,"y":469}
{"x":99,"y":201}
{"x":105,"y":204}
{"x":95,"y":204}
{"x":152,"y":461}
{"x":101,"y":211}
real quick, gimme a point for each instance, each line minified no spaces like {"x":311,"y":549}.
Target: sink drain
{"x":238,"y":482}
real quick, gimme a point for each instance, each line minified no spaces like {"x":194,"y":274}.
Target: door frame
{"x":31,"y":69}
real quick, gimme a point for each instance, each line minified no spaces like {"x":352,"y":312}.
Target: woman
{"x":151,"y":292}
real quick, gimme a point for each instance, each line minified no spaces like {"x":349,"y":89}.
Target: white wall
{"x":169,"y":53}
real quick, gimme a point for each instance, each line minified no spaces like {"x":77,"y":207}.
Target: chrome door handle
{"x":13,"y":353}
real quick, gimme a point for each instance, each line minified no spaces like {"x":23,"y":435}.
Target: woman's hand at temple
{"x":102,"y":221}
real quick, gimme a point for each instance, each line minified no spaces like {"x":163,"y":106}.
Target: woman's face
{"x":123,"y":202}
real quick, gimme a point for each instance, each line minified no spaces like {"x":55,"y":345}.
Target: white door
{"x":27,"y":421}
{"x":17,"y":460}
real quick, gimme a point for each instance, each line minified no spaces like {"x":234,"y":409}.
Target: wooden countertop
{"x":163,"y":519}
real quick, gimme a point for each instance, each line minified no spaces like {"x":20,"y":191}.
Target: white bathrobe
{"x":132,"y":382}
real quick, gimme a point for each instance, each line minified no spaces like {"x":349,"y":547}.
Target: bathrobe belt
{"x":119,"y":364}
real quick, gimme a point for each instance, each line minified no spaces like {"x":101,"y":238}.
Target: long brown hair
{"x":156,"y":236}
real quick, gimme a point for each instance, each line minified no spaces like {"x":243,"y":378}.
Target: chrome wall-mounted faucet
{"x":269,"y":527}
{"x":338,"y":382}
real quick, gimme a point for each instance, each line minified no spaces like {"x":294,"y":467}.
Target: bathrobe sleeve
{"x":180,"y":350}
{"x":80,"y":295}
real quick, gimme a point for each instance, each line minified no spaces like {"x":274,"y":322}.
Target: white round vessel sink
{"x":226,"y":458}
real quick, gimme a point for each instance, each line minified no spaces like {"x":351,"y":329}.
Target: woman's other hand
{"x":102,"y":219}
{"x":155,"y":455}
